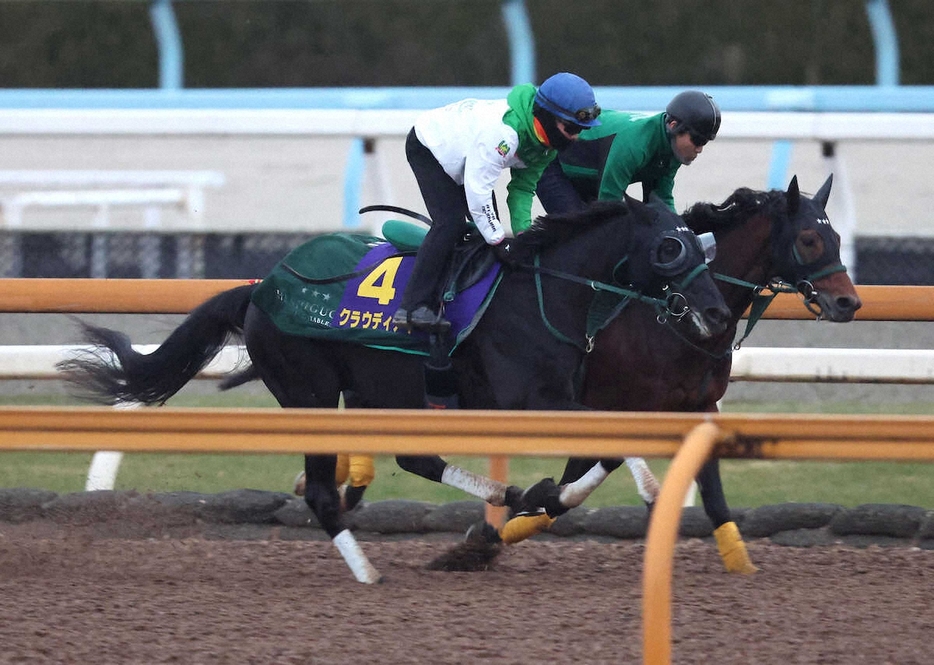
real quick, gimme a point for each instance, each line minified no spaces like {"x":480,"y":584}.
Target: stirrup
{"x":421,"y":318}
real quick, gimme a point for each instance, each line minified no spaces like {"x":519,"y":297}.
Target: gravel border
{"x":254,"y":514}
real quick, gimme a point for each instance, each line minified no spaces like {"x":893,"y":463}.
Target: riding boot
{"x":421,"y":300}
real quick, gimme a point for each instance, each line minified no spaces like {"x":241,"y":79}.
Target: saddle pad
{"x":359,"y":308}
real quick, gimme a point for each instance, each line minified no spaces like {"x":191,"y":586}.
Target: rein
{"x":663,"y":306}
{"x":761,"y":302}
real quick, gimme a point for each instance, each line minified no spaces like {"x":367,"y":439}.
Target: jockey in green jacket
{"x":628,"y":148}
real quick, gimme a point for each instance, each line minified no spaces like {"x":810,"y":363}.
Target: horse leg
{"x":359,"y":470}
{"x":305,"y":374}
{"x":730,"y":543}
{"x":436,"y":469}
{"x":354,"y":472}
{"x":360,"y":474}
{"x":322,"y":497}
{"x":581,"y":477}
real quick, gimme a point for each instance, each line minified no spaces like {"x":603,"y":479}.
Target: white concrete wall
{"x":296,"y":184}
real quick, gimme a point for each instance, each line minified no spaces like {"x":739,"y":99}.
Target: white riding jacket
{"x":473,"y":145}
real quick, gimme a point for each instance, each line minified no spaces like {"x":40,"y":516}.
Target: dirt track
{"x":68,"y":595}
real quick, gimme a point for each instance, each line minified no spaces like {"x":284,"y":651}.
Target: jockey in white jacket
{"x":458,"y":152}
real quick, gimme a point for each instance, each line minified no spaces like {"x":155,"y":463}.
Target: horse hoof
{"x":536,"y":497}
{"x":512,"y":499}
{"x":478,"y":552}
{"x":299,"y":487}
{"x":482,"y":532}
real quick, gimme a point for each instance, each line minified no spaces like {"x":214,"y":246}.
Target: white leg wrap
{"x":646,"y":482}
{"x":360,"y":566}
{"x":573,"y":494}
{"x":489,"y":490}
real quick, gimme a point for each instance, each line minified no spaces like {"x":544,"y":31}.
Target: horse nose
{"x":718,"y":317}
{"x":845,"y":307}
{"x":849,"y":303}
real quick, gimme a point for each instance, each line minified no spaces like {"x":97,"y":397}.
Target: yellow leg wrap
{"x":733,"y":550}
{"x":362,"y":470}
{"x":342,"y":469}
{"x":519,"y":528}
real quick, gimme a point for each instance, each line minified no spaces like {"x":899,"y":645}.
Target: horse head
{"x":634,"y":251}
{"x":676,"y":271}
{"x":806,"y":251}
{"x":782,"y":240}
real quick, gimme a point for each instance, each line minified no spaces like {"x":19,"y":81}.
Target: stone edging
{"x":792,"y":524}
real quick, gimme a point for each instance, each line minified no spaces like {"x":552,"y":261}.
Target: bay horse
{"x":523,"y":353}
{"x":766,"y":242}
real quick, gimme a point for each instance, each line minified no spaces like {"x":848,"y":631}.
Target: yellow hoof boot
{"x":733,"y":550}
{"x":520,"y":528}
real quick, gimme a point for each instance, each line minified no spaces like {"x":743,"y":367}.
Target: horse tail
{"x":112,"y":371}
{"x":238,"y":378}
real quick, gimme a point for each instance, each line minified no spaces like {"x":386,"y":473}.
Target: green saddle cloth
{"x":346,"y":287}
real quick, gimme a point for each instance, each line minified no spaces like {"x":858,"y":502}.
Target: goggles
{"x":697,"y":139}
{"x":571,"y":128}
{"x":581,"y":116}
{"x":587,"y":115}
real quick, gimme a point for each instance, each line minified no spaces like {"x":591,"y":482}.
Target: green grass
{"x":747,"y":483}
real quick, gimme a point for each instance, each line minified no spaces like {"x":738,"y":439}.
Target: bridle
{"x":673,"y":305}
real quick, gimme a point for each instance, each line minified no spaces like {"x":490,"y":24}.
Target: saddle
{"x":471,"y":260}
{"x":346,"y":287}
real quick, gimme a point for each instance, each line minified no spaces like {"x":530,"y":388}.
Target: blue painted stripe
{"x":778,"y":165}
{"x":730,"y":98}
{"x":353,"y":181}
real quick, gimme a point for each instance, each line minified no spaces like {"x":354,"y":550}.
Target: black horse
{"x":767,"y":242}
{"x":523,"y":353}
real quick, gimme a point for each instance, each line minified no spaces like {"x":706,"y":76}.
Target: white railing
{"x":101,"y":190}
{"x":792,"y":364}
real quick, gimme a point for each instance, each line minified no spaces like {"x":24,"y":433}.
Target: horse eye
{"x":809,"y":246}
{"x":669,"y":251}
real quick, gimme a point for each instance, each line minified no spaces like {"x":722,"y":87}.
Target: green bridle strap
{"x":658,"y":303}
{"x":691,"y":276}
{"x":829,"y":270}
{"x":760,"y":302}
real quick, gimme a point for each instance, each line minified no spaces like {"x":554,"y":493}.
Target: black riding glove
{"x":503,"y":252}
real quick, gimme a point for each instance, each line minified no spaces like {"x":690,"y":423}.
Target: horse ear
{"x":793,"y":196}
{"x":824,"y":192}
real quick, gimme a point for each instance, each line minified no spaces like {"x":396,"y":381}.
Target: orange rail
{"x":661,"y":539}
{"x":180,"y":296}
{"x":117,"y":296}
{"x":587,"y":434}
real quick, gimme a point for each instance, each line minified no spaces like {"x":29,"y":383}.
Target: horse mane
{"x":556,"y":228}
{"x":738,"y":207}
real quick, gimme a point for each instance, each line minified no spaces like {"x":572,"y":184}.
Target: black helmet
{"x":695,"y":112}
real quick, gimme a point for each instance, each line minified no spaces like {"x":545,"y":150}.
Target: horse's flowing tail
{"x":112,"y":371}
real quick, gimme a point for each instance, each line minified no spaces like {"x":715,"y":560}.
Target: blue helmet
{"x":569,"y":97}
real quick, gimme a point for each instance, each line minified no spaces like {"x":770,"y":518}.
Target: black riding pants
{"x":447,"y":206}
{"x":557,"y":192}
